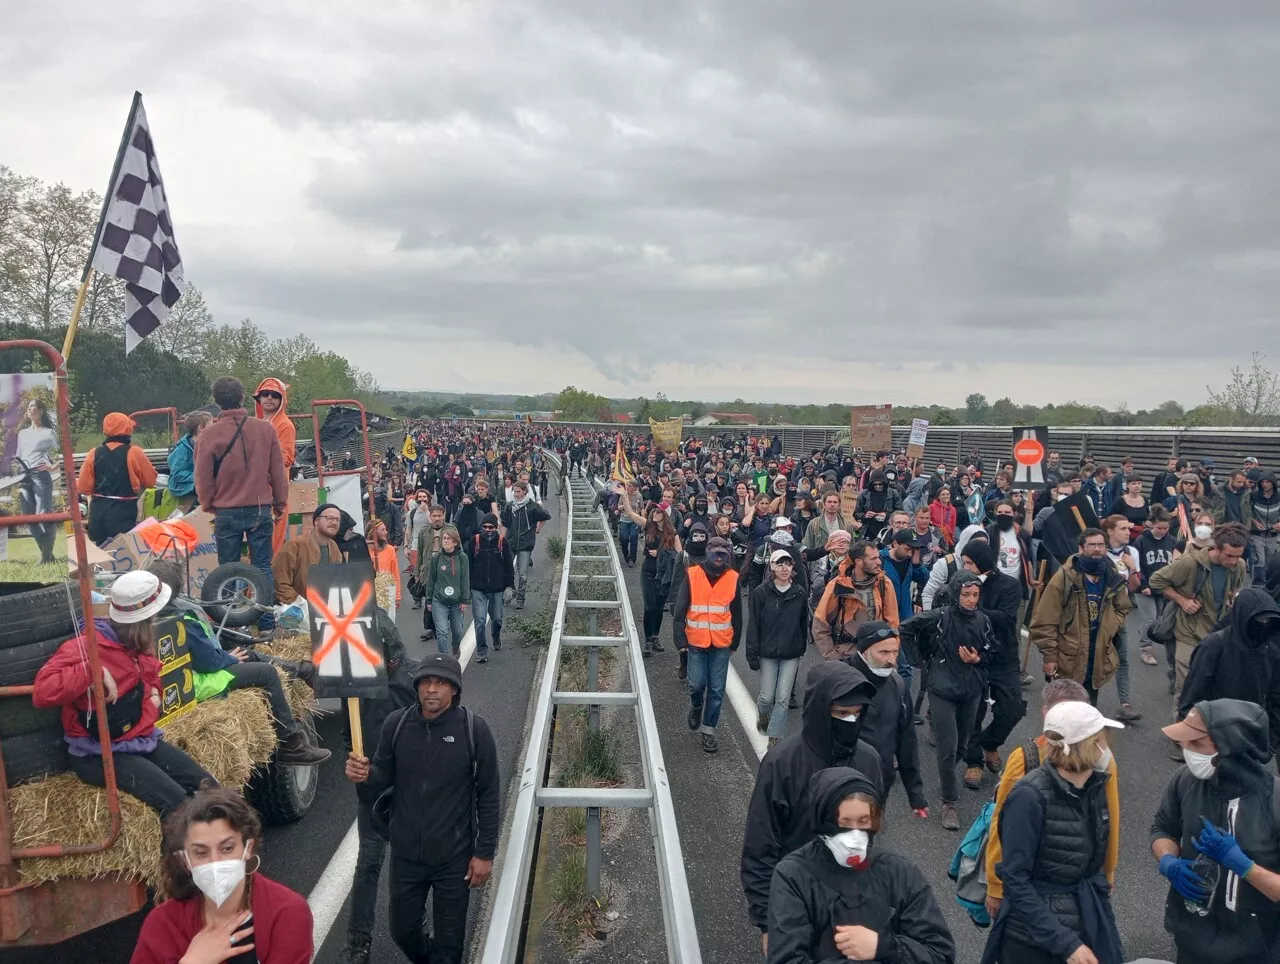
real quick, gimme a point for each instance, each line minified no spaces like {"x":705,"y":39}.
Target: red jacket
{"x":281,"y":927}
{"x":64,"y":680}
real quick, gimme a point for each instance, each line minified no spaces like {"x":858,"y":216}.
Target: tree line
{"x":46,"y":232}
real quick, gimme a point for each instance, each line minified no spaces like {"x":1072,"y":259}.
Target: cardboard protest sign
{"x":870,"y":427}
{"x":1030,"y":450}
{"x":345,"y":646}
{"x":848,"y":503}
{"x":919,"y":432}
{"x":1076,"y":514}
{"x":666,"y":434}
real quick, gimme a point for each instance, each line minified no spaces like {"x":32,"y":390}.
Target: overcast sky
{"x":789,"y":201}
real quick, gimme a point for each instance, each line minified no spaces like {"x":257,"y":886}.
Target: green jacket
{"x":816,"y":536}
{"x":1180,"y":576}
{"x":1218,"y":506}
{"x":449,"y":579}
{"x":428,"y":545}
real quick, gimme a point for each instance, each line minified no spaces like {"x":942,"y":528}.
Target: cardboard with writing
{"x":870,"y":427}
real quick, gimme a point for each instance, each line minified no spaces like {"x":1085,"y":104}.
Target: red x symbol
{"x":341,"y":626}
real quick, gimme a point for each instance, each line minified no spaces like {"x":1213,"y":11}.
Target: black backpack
{"x":382,"y":809}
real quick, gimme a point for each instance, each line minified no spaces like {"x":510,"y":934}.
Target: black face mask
{"x":1004,"y":522}
{"x":1091,"y":565}
{"x":845,"y":733}
{"x":716,"y":567}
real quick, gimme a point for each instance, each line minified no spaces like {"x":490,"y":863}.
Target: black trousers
{"x":1004,"y":683}
{"x":161,"y":779}
{"x":264,"y":676}
{"x":364,"y":890}
{"x":654,"y":602}
{"x":411,"y":883}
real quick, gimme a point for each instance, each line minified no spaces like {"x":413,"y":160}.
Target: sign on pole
{"x":1030,"y":449}
{"x":666,"y":434}
{"x":345,"y":647}
{"x":870,"y":427}
{"x":919,"y":432}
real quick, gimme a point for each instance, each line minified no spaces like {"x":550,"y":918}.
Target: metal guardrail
{"x":589,"y":530}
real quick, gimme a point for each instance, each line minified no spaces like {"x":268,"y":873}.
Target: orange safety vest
{"x":708,"y":622}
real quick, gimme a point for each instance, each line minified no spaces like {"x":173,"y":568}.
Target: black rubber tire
{"x":32,"y":755}
{"x":284,"y":794}
{"x":37,"y":614}
{"x":18,"y":718}
{"x":19,"y":664}
{"x":229,"y":572}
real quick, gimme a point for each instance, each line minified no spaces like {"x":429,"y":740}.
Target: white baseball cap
{"x":137,"y":596}
{"x":781,"y":554}
{"x":781,"y":522}
{"x":1075,"y":722}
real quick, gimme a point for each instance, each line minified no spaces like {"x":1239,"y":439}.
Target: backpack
{"x":381,"y":812}
{"x":1163,"y":628}
{"x":969,"y":865}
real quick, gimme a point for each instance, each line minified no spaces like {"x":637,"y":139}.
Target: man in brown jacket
{"x":859,"y":594}
{"x":315,"y":548}
{"x":240,"y":478}
{"x":1083,"y":609}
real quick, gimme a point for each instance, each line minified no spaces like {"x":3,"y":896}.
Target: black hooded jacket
{"x":1243,"y":926}
{"x":779,"y":623}
{"x":492,"y":562}
{"x":1240,"y":662}
{"x":937,"y":635}
{"x":779,"y":817}
{"x":811,"y":894}
{"x":889,"y":728}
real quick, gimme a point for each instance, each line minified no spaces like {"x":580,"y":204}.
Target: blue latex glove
{"x":1221,"y":847}
{"x":1183,"y":879}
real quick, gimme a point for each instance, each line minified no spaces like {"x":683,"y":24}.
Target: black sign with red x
{"x":345,"y":646}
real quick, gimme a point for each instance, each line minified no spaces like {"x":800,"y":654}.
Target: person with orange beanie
{"x":272,"y":404}
{"x":114,"y":476}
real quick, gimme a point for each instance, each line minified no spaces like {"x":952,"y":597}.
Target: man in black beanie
{"x":1000,"y":598}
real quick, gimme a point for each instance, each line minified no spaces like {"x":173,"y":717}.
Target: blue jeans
{"x":448,"y":618}
{"x":776,"y":679}
{"x":487,"y":609}
{"x":708,"y":668}
{"x":231,"y":527}
{"x":629,"y":536}
{"x":524,"y":562}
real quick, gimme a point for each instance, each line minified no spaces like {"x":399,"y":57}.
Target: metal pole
{"x":593,"y":851}
{"x":593,"y":685}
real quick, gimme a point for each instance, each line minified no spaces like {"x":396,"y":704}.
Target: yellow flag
{"x":621,"y":464}
{"x":666,"y":434}
{"x":410,"y":451}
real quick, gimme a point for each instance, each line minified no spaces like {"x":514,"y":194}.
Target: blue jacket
{"x":182,"y":467}
{"x":902,"y":587}
{"x":207,"y":654}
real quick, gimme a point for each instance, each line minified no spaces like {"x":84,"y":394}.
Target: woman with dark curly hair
{"x":219,"y":907}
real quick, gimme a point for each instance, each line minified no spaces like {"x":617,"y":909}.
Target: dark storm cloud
{"x":1074,"y":183}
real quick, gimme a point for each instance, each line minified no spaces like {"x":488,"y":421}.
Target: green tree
{"x":576,"y":405}
{"x":1252,"y":397}
{"x":976,"y":408}
{"x":185,"y":333}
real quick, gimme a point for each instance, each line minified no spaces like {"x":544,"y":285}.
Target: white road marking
{"x":330,"y":892}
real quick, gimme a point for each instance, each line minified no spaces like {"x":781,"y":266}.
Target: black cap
{"x":873,"y":632}
{"x":907,"y":537}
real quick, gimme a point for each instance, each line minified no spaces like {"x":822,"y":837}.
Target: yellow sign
{"x":410,"y":451}
{"x":666,"y":435}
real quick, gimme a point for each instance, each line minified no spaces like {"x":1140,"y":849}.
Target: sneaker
{"x":417,"y":604}
{"x":645,"y":649}
{"x":683,"y":671}
{"x":657,"y":646}
{"x":695,"y":717}
{"x":519,"y":602}
{"x":709,"y":744}
{"x":457,"y":653}
{"x":972,"y":778}
{"x":1027,"y":680}
{"x":1147,"y":656}
{"x":296,"y":751}
{"x":356,"y":951}
{"x":991,"y":758}
{"x":762,"y":722}
{"x":427,"y":637}
{"x":1128,"y":714}
{"x":919,"y":720}
{"x":497,"y":642}
{"x":483,"y":659}
{"x":950,"y":819}
{"x":792,"y":704}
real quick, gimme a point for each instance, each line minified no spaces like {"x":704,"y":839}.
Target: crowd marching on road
{"x":890,"y":602}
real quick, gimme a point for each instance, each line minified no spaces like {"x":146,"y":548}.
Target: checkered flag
{"x":135,"y":241}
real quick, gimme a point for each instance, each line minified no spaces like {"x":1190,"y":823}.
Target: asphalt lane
{"x":711,"y":792}
{"x":296,"y":855}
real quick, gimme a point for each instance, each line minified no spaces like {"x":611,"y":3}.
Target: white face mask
{"x":849,"y":847}
{"x":851,"y":717}
{"x":219,"y":879}
{"x":1063,"y":495}
{"x":881,"y":671}
{"x":1201,"y":765}
{"x":1203,"y":533}
{"x":1104,"y":761}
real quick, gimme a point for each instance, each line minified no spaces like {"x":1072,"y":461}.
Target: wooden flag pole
{"x":1035,"y":598}
{"x":75,"y":315}
{"x":357,"y":733}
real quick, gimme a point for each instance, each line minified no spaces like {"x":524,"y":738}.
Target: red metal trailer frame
{"x":51,"y":912}
{"x":175,"y":430}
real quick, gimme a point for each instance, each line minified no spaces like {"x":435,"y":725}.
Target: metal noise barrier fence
{"x":588,"y":540}
{"x":377,"y":444}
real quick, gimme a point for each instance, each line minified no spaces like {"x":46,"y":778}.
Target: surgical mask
{"x":1201,"y":765}
{"x":850,"y":717}
{"x":1004,"y":522}
{"x":849,"y":847}
{"x":1063,"y":495}
{"x":1104,"y":761}
{"x":881,"y":671}
{"x":1203,"y":533}
{"x":217,"y":880}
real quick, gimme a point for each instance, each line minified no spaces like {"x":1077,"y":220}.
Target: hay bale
{"x":63,"y":810}
{"x":229,"y":736}
{"x":295,"y":649}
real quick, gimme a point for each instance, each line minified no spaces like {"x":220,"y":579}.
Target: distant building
{"x":623,"y":418}
{"x":726,"y":418}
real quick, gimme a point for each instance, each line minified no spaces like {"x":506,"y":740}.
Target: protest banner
{"x":666,"y":434}
{"x":1030,"y":450}
{"x":870,"y":427}
{"x":915,"y":443}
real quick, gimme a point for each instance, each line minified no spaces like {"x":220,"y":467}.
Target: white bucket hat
{"x":137,"y":596}
{"x":1075,"y":722}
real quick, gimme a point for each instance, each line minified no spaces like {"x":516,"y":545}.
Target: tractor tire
{"x":34,"y":755}
{"x":284,"y":794}
{"x":225,"y":583}
{"x":38,"y":613}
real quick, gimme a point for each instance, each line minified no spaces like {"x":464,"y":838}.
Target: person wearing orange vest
{"x":272,"y":404}
{"x":707,"y":622}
